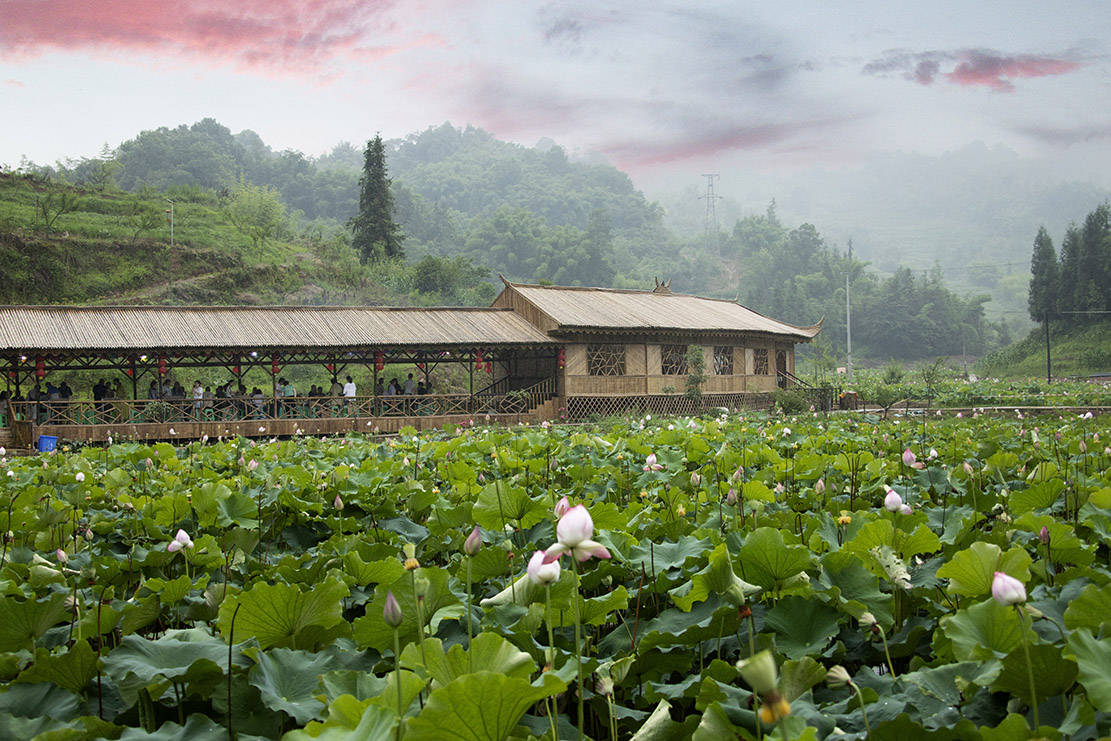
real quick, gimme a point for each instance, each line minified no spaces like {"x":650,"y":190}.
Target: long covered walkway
{"x":509,"y":366}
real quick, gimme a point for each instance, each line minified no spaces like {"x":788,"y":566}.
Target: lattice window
{"x":605,"y":360}
{"x":673,"y":360}
{"x":760,"y":361}
{"x":723,"y":361}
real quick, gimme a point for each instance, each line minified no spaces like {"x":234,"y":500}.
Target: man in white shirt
{"x":349,"y":393}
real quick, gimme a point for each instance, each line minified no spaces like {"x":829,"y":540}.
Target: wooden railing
{"x":167,"y":411}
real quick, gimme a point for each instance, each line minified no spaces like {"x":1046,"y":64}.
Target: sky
{"x":660,"y":89}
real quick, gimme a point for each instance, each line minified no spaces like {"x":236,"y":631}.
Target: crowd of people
{"x":170,"y":401}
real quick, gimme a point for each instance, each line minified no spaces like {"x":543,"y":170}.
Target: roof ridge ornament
{"x":662,"y":286}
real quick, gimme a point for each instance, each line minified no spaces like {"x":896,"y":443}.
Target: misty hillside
{"x":974,"y":212}
{"x":471,"y":207}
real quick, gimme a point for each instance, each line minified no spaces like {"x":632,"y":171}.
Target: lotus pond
{"x":741,"y":577}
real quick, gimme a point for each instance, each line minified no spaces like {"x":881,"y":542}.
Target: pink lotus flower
{"x":61,"y":556}
{"x":562,"y":506}
{"x":540,"y":572}
{"x":650,"y":463}
{"x":910,"y":460}
{"x":574,"y":533}
{"x":1007,"y":590}
{"x":904,"y":509}
{"x":181,"y":540}
{"x":79,"y":477}
{"x":252,"y":465}
{"x":473,"y":542}
{"x":892,"y":501}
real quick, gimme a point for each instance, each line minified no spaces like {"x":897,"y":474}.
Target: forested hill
{"x":470,"y":207}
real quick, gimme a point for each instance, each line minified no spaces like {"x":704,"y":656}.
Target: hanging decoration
{"x":274,"y":367}
{"x":379,"y":361}
{"x":478,"y":362}
{"x":561,"y":358}
{"x":40,"y":367}
{"x":161,"y":365}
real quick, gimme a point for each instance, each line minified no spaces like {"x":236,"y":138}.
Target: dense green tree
{"x":257,"y":212}
{"x":1045,"y":276}
{"x":375,"y":234}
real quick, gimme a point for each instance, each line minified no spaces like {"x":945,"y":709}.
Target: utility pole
{"x":1048,"y":367}
{"x":711,"y":208}
{"x":848,"y":315}
{"x":171,"y":212}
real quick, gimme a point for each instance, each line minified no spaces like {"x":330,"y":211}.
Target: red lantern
{"x":331,"y":368}
{"x":129,"y":372}
{"x":161,"y":365}
{"x":235,"y":370}
{"x":40,"y":367}
{"x":379,"y":361}
{"x":478,"y":360}
{"x":489,"y":367}
{"x":274,"y":367}
{"x":561,"y":358}
{"x":420,"y":365}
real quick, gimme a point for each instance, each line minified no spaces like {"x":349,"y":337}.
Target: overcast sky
{"x":657,"y":88}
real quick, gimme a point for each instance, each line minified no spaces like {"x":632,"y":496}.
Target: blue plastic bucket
{"x":47,"y":443}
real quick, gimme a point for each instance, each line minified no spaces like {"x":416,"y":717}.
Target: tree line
{"x":1073,"y":285}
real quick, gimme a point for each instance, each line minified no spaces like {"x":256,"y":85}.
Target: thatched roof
{"x":577,"y":310}
{"x":30,"y":329}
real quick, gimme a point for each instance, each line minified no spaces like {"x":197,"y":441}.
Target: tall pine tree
{"x":375,"y":234}
{"x":1045,"y":277}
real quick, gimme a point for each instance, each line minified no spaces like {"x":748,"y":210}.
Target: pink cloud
{"x":997,"y":71}
{"x":297,"y":36}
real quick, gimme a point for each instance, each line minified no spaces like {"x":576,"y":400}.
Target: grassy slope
{"x":1080,"y":351}
{"x":93,"y":255}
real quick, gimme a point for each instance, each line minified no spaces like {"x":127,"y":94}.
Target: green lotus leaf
{"x":483,"y":706}
{"x":371,"y":630}
{"x":197,"y":728}
{"x":971,"y":571}
{"x":22,"y":622}
{"x":802,"y":626}
{"x":1053,"y":673}
{"x":283,"y":615}
{"x":39,"y":700}
{"x":797,"y":677}
{"x":375,"y":723}
{"x":767,"y":561}
{"x":1090,"y":609}
{"x":1092,"y":658}
{"x":499,"y":504}
{"x":288,"y":679}
{"x":983,"y":631}
{"x":71,"y":670}
{"x":487,"y":652}
{"x":182,"y":656}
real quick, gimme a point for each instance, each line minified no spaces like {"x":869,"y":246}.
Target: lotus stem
{"x":470,"y":631}
{"x":550,"y":656}
{"x":863,"y":712}
{"x":397,"y":681}
{"x":886,"y":651}
{"x":1029,"y":667}
{"x":578,"y":644}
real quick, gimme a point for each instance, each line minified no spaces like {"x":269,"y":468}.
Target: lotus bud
{"x":604,"y":686}
{"x":337,"y":503}
{"x":3,"y":451}
{"x":967,"y":467}
{"x":867,"y":619}
{"x":838,"y":676}
{"x":892,"y":501}
{"x":904,"y":509}
{"x":932,"y":455}
{"x":473,"y":542}
{"x":696,"y":479}
{"x":820,"y":487}
{"x":88,"y":533}
{"x":1007,"y":590}
{"x":738,"y":474}
{"x":150,"y":463}
{"x":61,"y":556}
{"x":1043,"y":535}
{"x":79,"y":476}
{"x":908,"y":457}
{"x":1083,"y":447}
{"x":760,"y":672}
{"x":731,"y":497}
{"x":391,"y":612}
{"x":252,"y":465}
